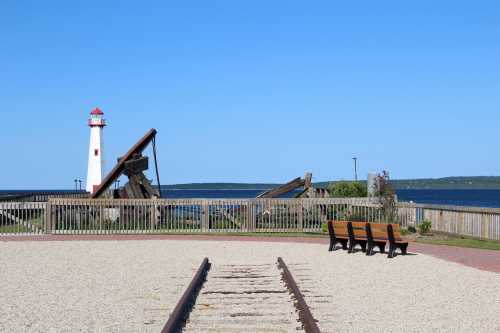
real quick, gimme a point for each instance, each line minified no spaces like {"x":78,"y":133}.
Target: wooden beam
{"x":280,"y":190}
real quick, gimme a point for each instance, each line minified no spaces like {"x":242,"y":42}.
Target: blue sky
{"x":254,"y":91}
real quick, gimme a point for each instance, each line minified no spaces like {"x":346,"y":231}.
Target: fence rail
{"x":200,"y":215}
{"x":22,"y":217}
{"x":107,"y":216}
{"x":477,"y":222}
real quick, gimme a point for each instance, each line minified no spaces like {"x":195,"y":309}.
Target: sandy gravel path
{"x":418,"y":293}
{"x":90,"y":286}
{"x":131,"y":286}
{"x":487,"y":260}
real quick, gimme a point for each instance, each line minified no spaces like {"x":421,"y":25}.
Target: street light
{"x":355,"y":168}
{"x":80,"y":181}
{"x":76,"y":186}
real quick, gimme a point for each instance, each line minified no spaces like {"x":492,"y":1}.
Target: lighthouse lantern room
{"x":96,"y":160}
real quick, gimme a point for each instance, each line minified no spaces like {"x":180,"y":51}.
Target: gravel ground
{"x":415,"y":293}
{"x":90,"y":286}
{"x":131,"y":286}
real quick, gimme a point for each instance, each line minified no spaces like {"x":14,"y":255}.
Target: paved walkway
{"x":487,"y":260}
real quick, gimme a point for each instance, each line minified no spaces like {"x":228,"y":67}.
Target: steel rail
{"x":181,"y":311}
{"x":305,"y":315}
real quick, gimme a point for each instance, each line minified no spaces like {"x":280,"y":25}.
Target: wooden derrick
{"x":132,"y":165}
{"x":314,"y":192}
{"x":288,"y":187}
{"x":309,"y":191}
{"x":138,"y":185}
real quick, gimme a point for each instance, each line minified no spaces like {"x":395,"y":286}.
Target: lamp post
{"x":355,"y":168}
{"x":80,"y":181}
{"x":76,"y":186}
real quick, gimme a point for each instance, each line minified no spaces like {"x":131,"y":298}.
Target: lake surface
{"x":477,"y":198}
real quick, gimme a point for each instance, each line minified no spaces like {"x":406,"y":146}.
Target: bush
{"x":411,"y":229}
{"x":387,"y":197}
{"x":324,"y":228}
{"x":347,"y":190}
{"x":424,"y":227}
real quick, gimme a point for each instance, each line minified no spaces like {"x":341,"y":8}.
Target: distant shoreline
{"x":447,"y":183}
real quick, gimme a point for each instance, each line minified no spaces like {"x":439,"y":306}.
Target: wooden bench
{"x":395,"y":240}
{"x":338,"y":234}
{"x":376,"y":236}
{"x":357,"y":236}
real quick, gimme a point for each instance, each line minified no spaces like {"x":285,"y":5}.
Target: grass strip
{"x":463,"y":242}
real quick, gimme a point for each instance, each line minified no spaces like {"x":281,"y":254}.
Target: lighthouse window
{"x":96,"y":152}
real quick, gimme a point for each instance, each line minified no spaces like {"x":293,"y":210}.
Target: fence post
{"x":460,"y":223}
{"x":250,"y":216}
{"x":49,"y":223}
{"x":485,"y":219}
{"x":205,"y":222}
{"x":300,"y":215}
{"x":153,"y":216}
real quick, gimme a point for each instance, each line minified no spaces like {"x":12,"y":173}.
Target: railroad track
{"x":242,"y":298}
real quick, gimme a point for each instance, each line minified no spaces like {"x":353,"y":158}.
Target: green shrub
{"x":411,"y":229}
{"x":424,"y":227}
{"x":324,"y":227}
{"x":345,"y":189}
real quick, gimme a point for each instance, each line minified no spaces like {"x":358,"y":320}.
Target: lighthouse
{"x":96,"y":161}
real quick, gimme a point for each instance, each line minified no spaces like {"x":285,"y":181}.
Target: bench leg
{"x":363,"y":246}
{"x":369,"y":249}
{"x":332,"y":246}
{"x":351,"y":248}
{"x":381,"y":247}
{"x":404,"y":248}
{"x":391,"y":253}
{"x":344,"y":244}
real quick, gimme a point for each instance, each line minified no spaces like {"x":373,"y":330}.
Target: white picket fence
{"x":106,"y":216}
{"x":102,"y":216}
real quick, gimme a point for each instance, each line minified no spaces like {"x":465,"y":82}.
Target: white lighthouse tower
{"x":96,"y":161}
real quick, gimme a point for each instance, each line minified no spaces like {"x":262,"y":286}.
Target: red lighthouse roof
{"x":97,"y":112}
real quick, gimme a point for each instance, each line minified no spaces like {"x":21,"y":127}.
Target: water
{"x":477,"y":198}
{"x":215,"y":194}
{"x":4,"y":193}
